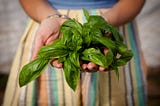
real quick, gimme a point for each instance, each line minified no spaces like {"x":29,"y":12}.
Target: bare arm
{"x":49,"y":28}
{"x":37,"y":9}
{"x":124,"y":11}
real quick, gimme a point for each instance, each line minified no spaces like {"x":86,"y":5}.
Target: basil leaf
{"x":115,"y":33}
{"x":109,"y":57}
{"x":74,"y":58}
{"x":97,"y":21}
{"x":100,"y":23}
{"x":95,"y":56}
{"x":72,"y":73}
{"x":108,"y":43}
{"x":76,"y":41}
{"x":86,"y":14}
{"x":72,"y":23}
{"x":95,"y":35}
{"x":121,"y":48}
{"x":67,"y":34}
{"x":86,"y":36}
{"x":56,"y":50}
{"x":61,"y":59}
{"x":32,"y":70}
{"x":124,"y":58}
{"x":115,"y":69}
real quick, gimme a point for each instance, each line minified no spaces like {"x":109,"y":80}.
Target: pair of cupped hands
{"x":47,"y":33}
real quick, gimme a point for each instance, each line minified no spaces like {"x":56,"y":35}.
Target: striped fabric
{"x":94,"y":89}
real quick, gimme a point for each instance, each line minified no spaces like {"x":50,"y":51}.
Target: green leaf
{"x":124,"y":58}
{"x":75,"y":42}
{"x":121,"y":48}
{"x":72,"y":73}
{"x":74,"y":58}
{"x":32,"y":70}
{"x":95,"y":34}
{"x":108,"y":43}
{"x":61,"y":59}
{"x":74,"y":24}
{"x":67,"y":34}
{"x":86,"y":36}
{"x":97,"y":21}
{"x":55,"y":50}
{"x":95,"y":56}
{"x":109,"y":57}
{"x":72,"y":37}
{"x":115,"y":69}
{"x":115,"y":33}
{"x":100,"y":23}
{"x":86,"y":14}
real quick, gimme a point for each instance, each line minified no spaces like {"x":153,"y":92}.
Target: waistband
{"x":79,"y":4}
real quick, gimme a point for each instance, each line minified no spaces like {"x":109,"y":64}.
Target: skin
{"x":121,"y":13}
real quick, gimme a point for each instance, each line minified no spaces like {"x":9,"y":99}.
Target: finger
{"x":92,"y":66}
{"x":56,"y":64}
{"x":105,"y":51}
{"x":101,"y":68}
{"x":50,"y":40}
{"x":38,"y":43}
{"x":60,"y":35}
{"x":84,"y":66}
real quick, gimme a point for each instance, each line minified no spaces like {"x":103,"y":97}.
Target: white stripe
{"x":128,"y":85}
{"x":22,"y":96}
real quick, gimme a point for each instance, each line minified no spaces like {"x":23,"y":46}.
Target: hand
{"x":87,"y":67}
{"x":48,"y":31}
{"x":91,"y":66}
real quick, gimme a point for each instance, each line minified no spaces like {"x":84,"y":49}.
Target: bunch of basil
{"x":80,"y":43}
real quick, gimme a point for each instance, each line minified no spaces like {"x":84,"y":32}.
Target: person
{"x":94,"y":89}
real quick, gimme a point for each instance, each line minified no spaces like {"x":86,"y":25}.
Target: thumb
{"x":38,"y":43}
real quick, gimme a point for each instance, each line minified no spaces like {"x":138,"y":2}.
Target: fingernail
{"x":101,"y":68}
{"x":105,"y":51}
{"x":92,"y":66}
{"x":84,"y":66}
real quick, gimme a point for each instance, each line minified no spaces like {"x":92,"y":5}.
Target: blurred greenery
{"x":3,"y":82}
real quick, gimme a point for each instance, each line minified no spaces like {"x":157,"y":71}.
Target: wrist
{"x":59,"y":17}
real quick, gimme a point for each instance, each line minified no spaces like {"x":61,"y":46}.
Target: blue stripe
{"x":93,"y":89}
{"x":137,"y":63}
{"x":79,"y":4}
{"x":33,"y":101}
{"x":54,"y":86}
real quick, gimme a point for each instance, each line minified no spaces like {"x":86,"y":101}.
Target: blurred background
{"x":12,"y":25}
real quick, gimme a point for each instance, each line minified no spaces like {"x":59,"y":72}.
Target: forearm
{"x":124,"y":11}
{"x":37,"y":9}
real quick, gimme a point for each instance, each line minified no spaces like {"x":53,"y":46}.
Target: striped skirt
{"x":94,"y":89}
